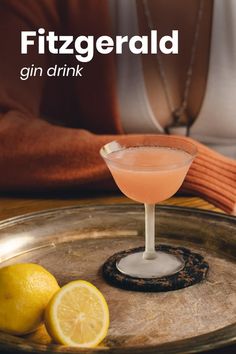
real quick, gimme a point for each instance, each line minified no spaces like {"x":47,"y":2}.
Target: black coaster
{"x":194,"y":271}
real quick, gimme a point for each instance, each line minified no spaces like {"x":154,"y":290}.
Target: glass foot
{"x":136,"y":266}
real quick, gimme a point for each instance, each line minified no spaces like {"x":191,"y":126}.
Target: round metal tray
{"x":74,"y":242}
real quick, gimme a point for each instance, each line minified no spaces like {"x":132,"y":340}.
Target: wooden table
{"x":17,"y":205}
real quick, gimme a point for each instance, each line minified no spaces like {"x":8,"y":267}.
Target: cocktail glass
{"x":149,"y":169}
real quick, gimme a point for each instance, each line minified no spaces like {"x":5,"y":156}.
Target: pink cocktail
{"x":149,"y":169}
{"x":149,"y":174}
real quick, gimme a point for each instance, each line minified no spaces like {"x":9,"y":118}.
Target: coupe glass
{"x":149,"y":169}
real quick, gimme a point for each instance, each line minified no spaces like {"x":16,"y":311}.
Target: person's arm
{"x":35,"y":154}
{"x":213,"y":177}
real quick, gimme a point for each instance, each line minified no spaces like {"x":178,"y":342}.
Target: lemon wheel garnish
{"x":78,"y":315}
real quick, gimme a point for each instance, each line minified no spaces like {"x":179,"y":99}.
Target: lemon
{"x":78,"y":315}
{"x":25,"y":290}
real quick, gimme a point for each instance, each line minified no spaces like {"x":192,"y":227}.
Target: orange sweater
{"x":51,"y":129}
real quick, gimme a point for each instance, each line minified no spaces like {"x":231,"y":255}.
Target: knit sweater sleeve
{"x":213,"y":177}
{"x":35,"y":154}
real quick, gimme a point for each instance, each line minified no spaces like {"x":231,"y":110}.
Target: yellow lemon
{"x":25,"y":290}
{"x":78,"y":315}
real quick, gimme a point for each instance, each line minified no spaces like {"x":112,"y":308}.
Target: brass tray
{"x":74,"y":242}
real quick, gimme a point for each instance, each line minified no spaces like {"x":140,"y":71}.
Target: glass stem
{"x":149,"y":252}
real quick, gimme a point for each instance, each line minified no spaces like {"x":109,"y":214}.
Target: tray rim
{"x":198,"y":344}
{"x":205,"y":342}
{"x":27,"y":216}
